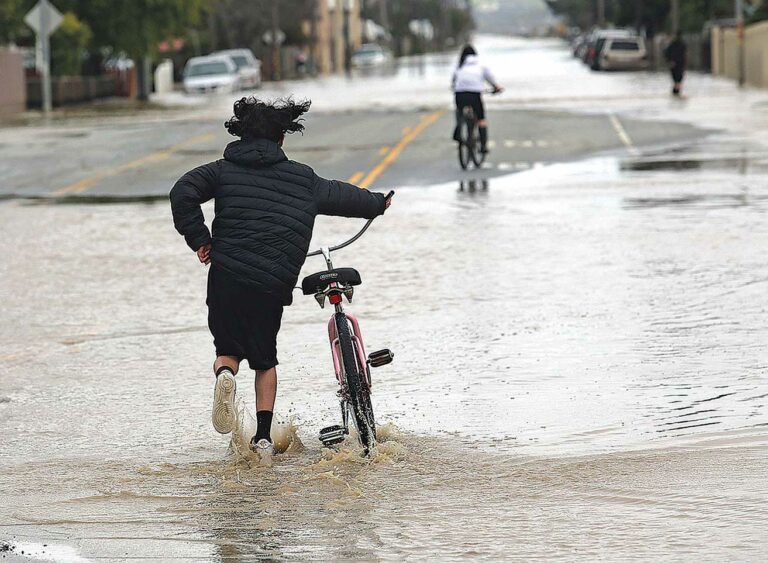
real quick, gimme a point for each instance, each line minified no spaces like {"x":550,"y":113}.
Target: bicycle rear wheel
{"x":478,"y":156}
{"x":359,"y":393}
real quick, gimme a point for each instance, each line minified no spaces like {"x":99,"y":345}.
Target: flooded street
{"x":580,"y":368}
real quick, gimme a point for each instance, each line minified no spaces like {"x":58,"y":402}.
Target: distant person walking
{"x":676,"y":54}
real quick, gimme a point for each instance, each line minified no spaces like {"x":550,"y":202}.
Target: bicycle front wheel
{"x":359,"y":393}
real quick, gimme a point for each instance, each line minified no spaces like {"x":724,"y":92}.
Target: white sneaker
{"x":223,"y":416}
{"x":264,"y":449}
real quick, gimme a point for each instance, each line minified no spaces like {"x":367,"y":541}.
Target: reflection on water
{"x":708,"y":201}
{"x":473,"y":185}
{"x":740,"y":163}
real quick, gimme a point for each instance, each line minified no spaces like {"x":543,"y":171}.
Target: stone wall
{"x":13,"y":92}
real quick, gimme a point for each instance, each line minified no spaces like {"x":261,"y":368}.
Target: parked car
{"x":370,"y":55}
{"x":211,"y":74}
{"x":578,"y":44}
{"x":622,"y":53}
{"x":596,"y":40}
{"x":248,"y":66}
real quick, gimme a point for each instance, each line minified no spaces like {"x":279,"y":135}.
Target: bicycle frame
{"x":357,"y":337}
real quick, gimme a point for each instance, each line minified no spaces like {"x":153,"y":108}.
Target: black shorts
{"x":677,"y":73}
{"x":244,"y":322}
{"x":472,"y":99}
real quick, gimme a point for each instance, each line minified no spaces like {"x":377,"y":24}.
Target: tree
{"x":650,"y":15}
{"x":10,"y":20}
{"x":448,"y":19}
{"x":68,"y":45}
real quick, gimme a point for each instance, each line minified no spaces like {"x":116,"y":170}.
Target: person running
{"x":468,"y":84}
{"x":265,"y":207}
{"x":676,"y":54}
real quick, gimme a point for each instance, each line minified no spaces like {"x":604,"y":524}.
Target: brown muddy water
{"x":580,"y":373}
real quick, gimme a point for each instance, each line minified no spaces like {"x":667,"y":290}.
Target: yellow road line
{"x":623,"y":135}
{"x":383,"y":150}
{"x":355,"y":178}
{"x":398,"y":148}
{"x":158,"y":156}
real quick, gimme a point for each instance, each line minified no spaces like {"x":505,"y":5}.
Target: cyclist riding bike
{"x":469,"y":80}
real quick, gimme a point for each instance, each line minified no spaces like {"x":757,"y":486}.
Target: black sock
{"x":264,"y":422}
{"x":483,"y":136}
{"x":222,"y":368}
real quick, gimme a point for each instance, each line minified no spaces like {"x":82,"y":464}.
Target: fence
{"x":71,"y":90}
{"x":726,"y":59}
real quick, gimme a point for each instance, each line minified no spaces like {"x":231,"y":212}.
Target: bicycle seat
{"x":318,"y":282}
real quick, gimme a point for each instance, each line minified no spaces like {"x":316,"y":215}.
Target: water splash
{"x":285,"y":435}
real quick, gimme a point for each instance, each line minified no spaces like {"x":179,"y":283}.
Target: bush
{"x":68,"y":46}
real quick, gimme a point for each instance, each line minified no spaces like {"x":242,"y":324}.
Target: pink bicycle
{"x":350,"y":363}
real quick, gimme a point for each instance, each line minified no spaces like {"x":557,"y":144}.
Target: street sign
{"x":267,"y":37}
{"x":43,"y":18}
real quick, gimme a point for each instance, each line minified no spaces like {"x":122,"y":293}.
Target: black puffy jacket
{"x":265,"y":209}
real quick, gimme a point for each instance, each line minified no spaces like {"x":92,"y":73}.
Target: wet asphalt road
{"x":144,"y":159}
{"x":355,"y":131}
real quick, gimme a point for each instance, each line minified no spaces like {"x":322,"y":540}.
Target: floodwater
{"x":580,"y":373}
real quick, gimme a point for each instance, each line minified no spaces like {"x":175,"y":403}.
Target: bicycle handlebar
{"x":354,"y":238}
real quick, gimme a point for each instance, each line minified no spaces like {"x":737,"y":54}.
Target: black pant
{"x":471,"y":99}
{"x":677,"y":72}
{"x":244,"y":322}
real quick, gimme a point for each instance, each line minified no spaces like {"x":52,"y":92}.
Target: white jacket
{"x":472,"y":76}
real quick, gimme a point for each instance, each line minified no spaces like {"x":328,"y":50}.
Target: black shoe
{"x":484,"y":150}
{"x":456,"y":135}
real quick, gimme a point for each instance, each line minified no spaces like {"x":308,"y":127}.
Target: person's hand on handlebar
{"x":388,"y":200}
{"x":497,"y":89}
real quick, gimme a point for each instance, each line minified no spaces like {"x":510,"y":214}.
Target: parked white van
{"x":623,"y":53}
{"x":211,"y":74}
{"x":248,"y":66}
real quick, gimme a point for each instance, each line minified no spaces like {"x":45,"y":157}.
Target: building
{"x":335,"y":32}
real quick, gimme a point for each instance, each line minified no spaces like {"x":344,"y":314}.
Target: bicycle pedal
{"x":331,"y":435}
{"x":380,"y":357}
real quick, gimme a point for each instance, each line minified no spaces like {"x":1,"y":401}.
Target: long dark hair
{"x":258,"y":119}
{"x":465,"y":52}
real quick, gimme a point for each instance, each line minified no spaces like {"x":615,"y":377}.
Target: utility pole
{"x":348,"y":7}
{"x":45,"y":50}
{"x":675,"y":16}
{"x":740,"y":41}
{"x":383,"y":15}
{"x":638,"y":15}
{"x":275,"y":42}
{"x":314,"y":7}
{"x":601,"y":13}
